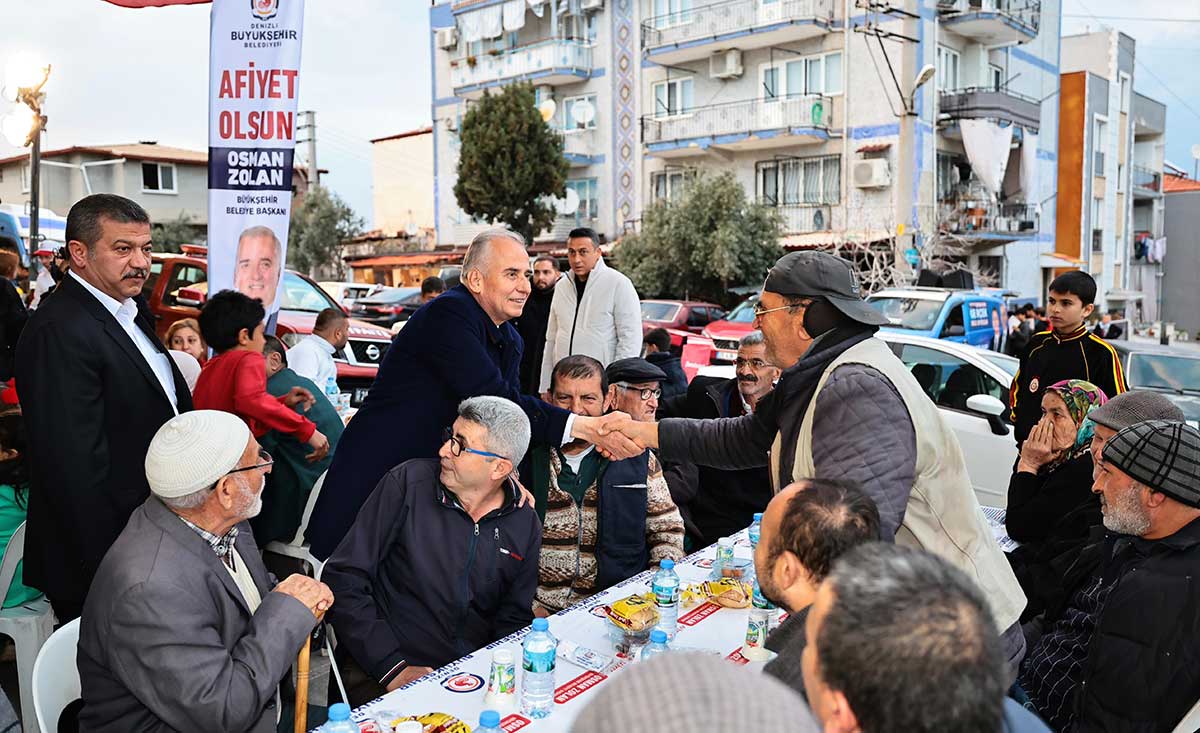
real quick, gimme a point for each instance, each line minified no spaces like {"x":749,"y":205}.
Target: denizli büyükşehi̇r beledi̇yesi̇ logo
{"x":264,"y":9}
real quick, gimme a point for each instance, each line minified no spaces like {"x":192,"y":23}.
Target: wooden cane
{"x":302,"y":687}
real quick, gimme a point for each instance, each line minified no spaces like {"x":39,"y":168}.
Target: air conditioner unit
{"x":447,"y":38}
{"x":725,"y":64}
{"x":871,"y":173}
{"x":591,"y":4}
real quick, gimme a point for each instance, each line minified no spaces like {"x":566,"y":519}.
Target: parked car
{"x":728,"y":331}
{"x":347,"y":293}
{"x":1172,"y":370}
{"x":966,"y":316}
{"x":680,"y":317}
{"x":970,"y":388}
{"x":178,"y":286}
{"x":388,"y":307}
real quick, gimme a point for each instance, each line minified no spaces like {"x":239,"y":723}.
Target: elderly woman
{"x":1051,"y":506}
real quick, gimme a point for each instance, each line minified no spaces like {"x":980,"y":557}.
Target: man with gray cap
{"x":182,"y":629}
{"x":1121,"y":653}
{"x":847,"y":408}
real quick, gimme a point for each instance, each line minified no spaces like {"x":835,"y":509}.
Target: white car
{"x":970,"y":387}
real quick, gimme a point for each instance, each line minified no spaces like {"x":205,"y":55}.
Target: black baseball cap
{"x":634,"y":370}
{"x":822,"y":275}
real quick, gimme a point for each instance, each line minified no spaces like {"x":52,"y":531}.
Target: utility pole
{"x":35,"y":189}
{"x":310,"y":128}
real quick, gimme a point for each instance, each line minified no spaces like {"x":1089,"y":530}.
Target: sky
{"x":123,"y":75}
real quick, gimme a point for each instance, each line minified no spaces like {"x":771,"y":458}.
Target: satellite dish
{"x":547,"y":108}
{"x":1196,"y":152}
{"x":583,"y":112}
{"x":568,"y":204}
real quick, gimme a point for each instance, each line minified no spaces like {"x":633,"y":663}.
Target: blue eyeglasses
{"x":457,"y":446}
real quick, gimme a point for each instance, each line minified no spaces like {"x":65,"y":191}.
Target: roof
{"x":136,"y":151}
{"x":419,"y":258}
{"x":874,"y":148}
{"x":411,"y":133}
{"x":1175,"y":184}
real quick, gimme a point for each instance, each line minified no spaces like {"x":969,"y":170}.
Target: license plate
{"x":360,"y":394}
{"x":725,"y":356}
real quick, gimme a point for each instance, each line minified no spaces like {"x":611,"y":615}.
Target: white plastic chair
{"x":56,"y":677}
{"x":28,"y":625}
{"x":297,"y":547}
{"x":1190,"y":722}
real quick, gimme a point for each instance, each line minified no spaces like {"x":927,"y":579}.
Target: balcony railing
{"x":579,"y":143}
{"x":568,"y":55}
{"x":988,"y":217}
{"x":1147,"y":178}
{"x":990,"y":103}
{"x":719,"y":18}
{"x":1025,"y":13}
{"x":812,"y":111}
{"x":803,"y":218}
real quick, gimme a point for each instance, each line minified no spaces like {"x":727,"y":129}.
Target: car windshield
{"x":744,"y":312}
{"x":301,"y":295}
{"x":915,"y":314}
{"x":391,"y":295}
{"x":1163,"y":371}
{"x":1007,"y":363}
{"x":665,"y":312}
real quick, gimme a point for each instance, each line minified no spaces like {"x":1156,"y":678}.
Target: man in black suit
{"x":96,"y":385}
{"x":1106,"y":329}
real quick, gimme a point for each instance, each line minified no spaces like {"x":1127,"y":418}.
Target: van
{"x":965,"y":316}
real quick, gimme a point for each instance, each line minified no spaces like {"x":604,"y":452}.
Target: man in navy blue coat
{"x":458,"y":345}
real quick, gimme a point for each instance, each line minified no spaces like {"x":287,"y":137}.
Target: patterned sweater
{"x":567,"y":568}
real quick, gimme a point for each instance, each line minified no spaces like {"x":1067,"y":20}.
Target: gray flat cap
{"x":1162,"y":455}
{"x":1131,"y":408}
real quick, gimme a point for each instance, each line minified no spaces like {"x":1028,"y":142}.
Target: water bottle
{"x":657,"y":645}
{"x":724,"y":554}
{"x":666,"y":597}
{"x":759,"y":601}
{"x":339,"y":720}
{"x":537,"y":684}
{"x":756,"y":529}
{"x":332,"y":393}
{"x":489,"y":722}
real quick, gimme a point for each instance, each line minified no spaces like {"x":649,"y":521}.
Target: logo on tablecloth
{"x":464,"y":682}
{"x":736,"y":657}
{"x":513,"y":723}
{"x":698,"y":614}
{"x":704,"y":562}
{"x":578,"y":686}
{"x":599,"y":610}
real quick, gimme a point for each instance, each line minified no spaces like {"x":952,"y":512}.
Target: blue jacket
{"x":418,"y":583}
{"x":448,"y":351}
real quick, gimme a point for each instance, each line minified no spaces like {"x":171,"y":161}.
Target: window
{"x":183,"y":276}
{"x":25,"y":179}
{"x":579,"y":27}
{"x":947,"y":68}
{"x":571,"y":120}
{"x":697,"y":317}
{"x":948,"y":380}
{"x":1120,"y":177}
{"x":589,"y":205}
{"x":1125,"y":93}
{"x":1099,"y":143}
{"x":811,"y":75}
{"x":995,"y":77}
{"x":158,"y":178}
{"x":672,"y":12}
{"x":954,"y":323}
{"x":946,"y":179}
{"x":1097,"y":225}
{"x":667,"y":185}
{"x":799,"y":181}
{"x":673,"y":97}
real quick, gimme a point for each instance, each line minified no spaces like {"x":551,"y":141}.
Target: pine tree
{"x":318,"y":227}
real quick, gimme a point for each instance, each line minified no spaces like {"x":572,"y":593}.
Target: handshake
{"x":616,"y":435}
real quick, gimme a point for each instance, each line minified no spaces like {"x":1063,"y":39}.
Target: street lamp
{"x":23,"y":82}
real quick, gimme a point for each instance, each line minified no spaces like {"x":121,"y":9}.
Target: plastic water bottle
{"x":339,"y":720}
{"x":759,"y":601}
{"x":724,"y":554}
{"x":537,"y":684}
{"x":666,"y":597}
{"x":332,"y":392}
{"x":657,"y":645}
{"x":489,"y":722}
{"x":756,"y":529}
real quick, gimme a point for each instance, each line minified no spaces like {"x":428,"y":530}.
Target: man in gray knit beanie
{"x":1128,"y":408}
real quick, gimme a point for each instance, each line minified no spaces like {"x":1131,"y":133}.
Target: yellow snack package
{"x":634,"y":613}
{"x":436,"y":723}
{"x":728,"y":592}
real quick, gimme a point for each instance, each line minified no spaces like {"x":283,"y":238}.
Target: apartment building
{"x":1110,"y":200}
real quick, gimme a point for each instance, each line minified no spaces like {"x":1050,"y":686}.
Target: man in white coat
{"x":595,"y":311}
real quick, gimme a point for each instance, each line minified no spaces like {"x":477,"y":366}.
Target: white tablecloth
{"x":459,"y":687}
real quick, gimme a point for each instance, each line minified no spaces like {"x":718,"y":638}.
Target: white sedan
{"x":970,"y":387}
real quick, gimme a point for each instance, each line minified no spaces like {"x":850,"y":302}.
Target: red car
{"x":726,"y":333}
{"x":178,"y":286}
{"x":679,"y":317}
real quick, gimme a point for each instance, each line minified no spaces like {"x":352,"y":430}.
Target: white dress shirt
{"x":313,"y":358}
{"x":44,"y":282}
{"x":125,"y":312}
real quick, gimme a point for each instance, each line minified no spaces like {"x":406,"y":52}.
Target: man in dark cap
{"x":634,"y":387}
{"x":847,"y":408}
{"x":1121,"y":652}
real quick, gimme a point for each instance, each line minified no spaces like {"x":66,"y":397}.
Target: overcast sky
{"x":123,"y":75}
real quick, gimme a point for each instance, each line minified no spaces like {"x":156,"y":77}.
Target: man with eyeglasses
{"x":634,"y":387}
{"x":441,"y":560}
{"x":716,"y":502}
{"x":184,"y":629}
{"x":847,"y":408}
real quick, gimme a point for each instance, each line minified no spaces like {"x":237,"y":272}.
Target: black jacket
{"x":788,"y":641}
{"x":677,"y":382}
{"x":91,"y":406}
{"x":418,"y":583}
{"x":13,"y":316}
{"x":1050,"y":359}
{"x":715,"y":503}
{"x":531,"y":325}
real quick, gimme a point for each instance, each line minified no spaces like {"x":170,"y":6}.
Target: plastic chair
{"x":56,"y":676}
{"x":28,"y":625}
{"x":1191,"y":721}
{"x":297,"y":547}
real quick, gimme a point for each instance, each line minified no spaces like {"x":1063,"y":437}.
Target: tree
{"x":321,"y":223}
{"x":704,"y":242}
{"x":510,"y":162}
{"x":168,"y":236}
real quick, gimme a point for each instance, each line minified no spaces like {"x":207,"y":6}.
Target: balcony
{"x":1147,"y":183}
{"x":557,"y":61}
{"x":579,"y":147}
{"x":975,"y":103}
{"x":804,"y":218}
{"x":988,"y":220}
{"x":992,"y":22}
{"x":696,"y":32}
{"x":754,"y":124}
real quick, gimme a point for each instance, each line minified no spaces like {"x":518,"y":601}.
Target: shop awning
{"x":824,"y":240}
{"x":401,"y":260}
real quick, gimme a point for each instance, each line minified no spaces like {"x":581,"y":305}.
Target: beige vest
{"x":942,"y":515}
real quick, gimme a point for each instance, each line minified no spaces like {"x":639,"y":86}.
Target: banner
{"x":254,"y":81}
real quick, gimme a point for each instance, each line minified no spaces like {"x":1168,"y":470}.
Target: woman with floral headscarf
{"x":1051,"y":506}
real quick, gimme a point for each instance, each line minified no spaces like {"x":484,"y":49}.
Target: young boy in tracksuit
{"x":1068,"y":350}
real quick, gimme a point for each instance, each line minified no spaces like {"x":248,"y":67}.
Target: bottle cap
{"x":541,"y":624}
{"x":489,"y":719}
{"x":667,"y":564}
{"x":757,"y":516}
{"x":339,"y":711}
{"x":658,"y":636}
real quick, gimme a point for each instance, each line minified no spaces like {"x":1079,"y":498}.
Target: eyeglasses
{"x":760,"y":312}
{"x":752,"y":363}
{"x":644,"y":392}
{"x":457,"y":446}
{"x":263,"y":456}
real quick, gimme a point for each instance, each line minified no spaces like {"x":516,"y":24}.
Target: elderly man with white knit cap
{"x":182,"y":629}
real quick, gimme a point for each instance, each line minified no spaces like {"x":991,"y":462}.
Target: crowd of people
{"x":525,"y":447}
